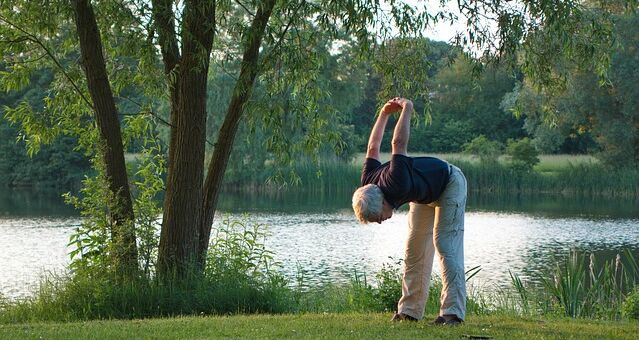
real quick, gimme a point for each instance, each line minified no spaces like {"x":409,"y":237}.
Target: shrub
{"x":389,"y":287}
{"x":487,"y":150}
{"x":630,"y":308}
{"x":523,"y":154}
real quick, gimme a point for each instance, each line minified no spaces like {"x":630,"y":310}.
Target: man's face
{"x":387,"y":212}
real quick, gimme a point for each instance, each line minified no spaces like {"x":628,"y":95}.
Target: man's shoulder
{"x":370,"y":160}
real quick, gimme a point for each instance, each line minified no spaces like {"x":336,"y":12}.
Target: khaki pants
{"x":436,"y":226}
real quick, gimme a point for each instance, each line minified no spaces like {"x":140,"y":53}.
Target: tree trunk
{"x":123,"y":230}
{"x":182,"y":202}
{"x":226,"y":136}
{"x":163,"y":17}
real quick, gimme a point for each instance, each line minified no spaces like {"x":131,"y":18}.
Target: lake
{"x":315,"y":235}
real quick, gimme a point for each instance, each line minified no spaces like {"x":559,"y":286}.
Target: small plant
{"x":238,"y":250}
{"x":567,"y":285}
{"x":522,"y":293}
{"x":389,"y":285}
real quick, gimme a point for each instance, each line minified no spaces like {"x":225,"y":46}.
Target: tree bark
{"x":122,"y":217}
{"x":182,"y":203}
{"x":224,"y":144}
{"x":164,"y":22}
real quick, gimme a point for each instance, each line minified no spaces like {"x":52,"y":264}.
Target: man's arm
{"x":401,"y":134}
{"x":377,"y":133}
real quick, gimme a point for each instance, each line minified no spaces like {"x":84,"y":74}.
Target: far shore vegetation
{"x":571,"y":175}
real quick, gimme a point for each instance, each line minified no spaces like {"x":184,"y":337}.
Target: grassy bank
{"x":323,"y":326}
{"x":236,"y":281}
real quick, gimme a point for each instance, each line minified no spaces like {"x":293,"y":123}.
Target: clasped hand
{"x":395,"y":104}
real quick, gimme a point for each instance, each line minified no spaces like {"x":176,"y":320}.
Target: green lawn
{"x":551,"y":163}
{"x":327,"y":326}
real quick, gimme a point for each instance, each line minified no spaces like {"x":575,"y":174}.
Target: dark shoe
{"x":402,"y":317}
{"x":455,"y":321}
{"x":439,"y":321}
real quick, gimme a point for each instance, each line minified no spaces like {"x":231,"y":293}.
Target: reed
{"x":326,"y":176}
{"x":556,"y":174}
{"x":580,"y":179}
{"x":580,"y":287}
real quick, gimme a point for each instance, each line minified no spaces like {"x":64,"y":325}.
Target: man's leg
{"x":418,"y":260}
{"x":449,"y":241}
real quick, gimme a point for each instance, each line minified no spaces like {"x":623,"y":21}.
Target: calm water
{"x":317,"y":236}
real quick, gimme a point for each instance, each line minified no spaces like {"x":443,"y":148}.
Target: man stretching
{"x":436,"y":192}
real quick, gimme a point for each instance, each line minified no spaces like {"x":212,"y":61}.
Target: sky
{"x":442,"y":31}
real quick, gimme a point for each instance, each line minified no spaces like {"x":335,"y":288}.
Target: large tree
{"x":605,"y":114}
{"x":271,"y":39}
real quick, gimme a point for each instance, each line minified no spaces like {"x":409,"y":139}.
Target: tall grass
{"x":378,"y":295}
{"x":547,"y":162}
{"x":581,"y":178}
{"x":325,"y":177}
{"x":579,"y":287}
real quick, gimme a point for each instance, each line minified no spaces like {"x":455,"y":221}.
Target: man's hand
{"x":395,"y":105}
{"x":402,"y":102}
{"x":391,"y":106}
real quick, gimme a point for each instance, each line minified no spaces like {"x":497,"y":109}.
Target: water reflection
{"x":31,"y":203}
{"x":316,"y":237}
{"x":556,"y":205}
{"x":336,"y":200}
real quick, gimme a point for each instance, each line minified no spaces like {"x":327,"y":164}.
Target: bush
{"x":523,"y":154}
{"x":487,"y":150}
{"x":389,"y":287}
{"x":630,"y":308}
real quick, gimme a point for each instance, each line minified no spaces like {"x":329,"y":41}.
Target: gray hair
{"x":368,"y":203}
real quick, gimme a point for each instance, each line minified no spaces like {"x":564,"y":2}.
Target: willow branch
{"x":33,"y":38}
{"x":28,"y":61}
{"x":246,"y":9}
{"x":278,"y":43}
{"x":152,"y":113}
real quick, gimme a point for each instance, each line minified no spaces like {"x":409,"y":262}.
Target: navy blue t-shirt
{"x":407,"y":179}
